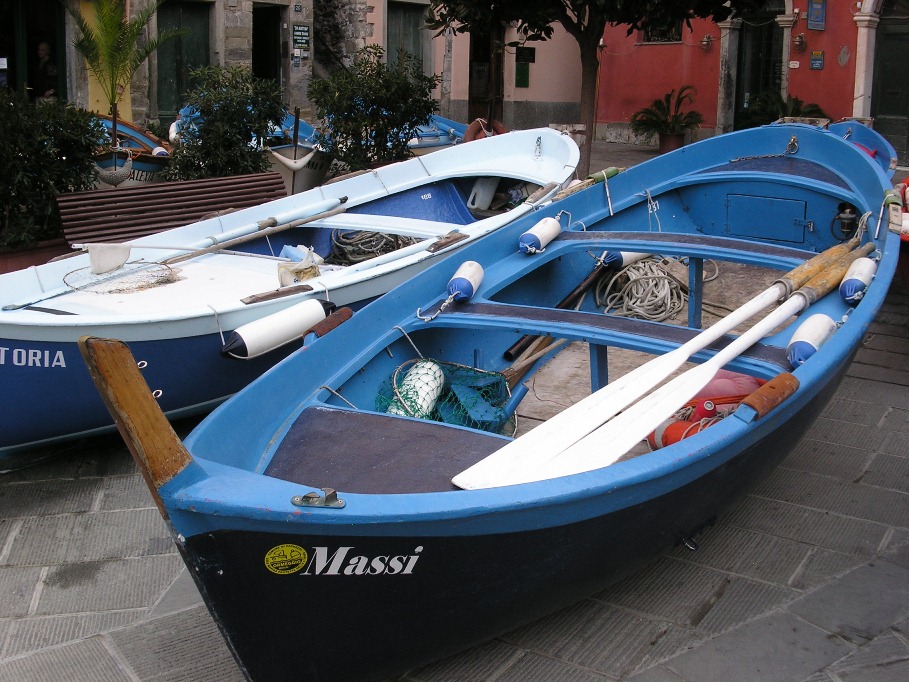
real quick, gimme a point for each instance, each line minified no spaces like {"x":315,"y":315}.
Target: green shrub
{"x":235,"y":109}
{"x":44,"y":150}
{"x":370,"y":111}
{"x":767,"y":107}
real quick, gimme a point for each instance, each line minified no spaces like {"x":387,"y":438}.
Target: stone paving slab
{"x":807,"y":579}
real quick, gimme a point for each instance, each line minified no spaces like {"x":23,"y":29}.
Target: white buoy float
{"x":461,"y":287}
{"x":813,"y":333}
{"x":856,"y":280}
{"x":538,"y":237}
{"x":273,"y":331}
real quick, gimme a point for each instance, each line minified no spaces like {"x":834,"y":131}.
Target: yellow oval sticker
{"x":285,"y":559}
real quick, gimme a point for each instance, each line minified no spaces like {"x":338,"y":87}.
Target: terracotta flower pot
{"x":671,"y":141}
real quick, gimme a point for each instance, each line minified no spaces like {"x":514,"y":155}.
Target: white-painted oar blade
{"x":534,"y":449}
{"x":611,"y":441}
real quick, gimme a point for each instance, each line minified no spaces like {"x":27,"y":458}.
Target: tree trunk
{"x":590,"y":74}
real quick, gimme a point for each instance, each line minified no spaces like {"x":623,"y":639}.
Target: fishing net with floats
{"x":450,"y":393}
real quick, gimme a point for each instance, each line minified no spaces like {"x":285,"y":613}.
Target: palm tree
{"x":110,"y":46}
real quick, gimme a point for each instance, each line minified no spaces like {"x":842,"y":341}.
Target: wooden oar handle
{"x":336,"y":319}
{"x":801,"y":274}
{"x":569,"y":301}
{"x":826,"y":281}
{"x":772,"y":394}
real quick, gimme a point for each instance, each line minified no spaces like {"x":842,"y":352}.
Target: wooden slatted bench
{"x":124,"y":213}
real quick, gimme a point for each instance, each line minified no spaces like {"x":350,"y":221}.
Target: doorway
{"x":266,"y":42}
{"x":26,"y":25}
{"x":177,"y":57}
{"x":890,"y":90}
{"x":760,"y":63}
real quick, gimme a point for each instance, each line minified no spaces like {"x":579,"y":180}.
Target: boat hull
{"x":423,"y":596}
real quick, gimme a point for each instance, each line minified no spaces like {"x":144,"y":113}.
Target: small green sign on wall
{"x":522,"y":75}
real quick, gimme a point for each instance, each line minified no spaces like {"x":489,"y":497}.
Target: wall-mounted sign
{"x":298,"y":8}
{"x":525,"y":55}
{"x":522,"y":75}
{"x":794,"y":65}
{"x":817,"y":15}
{"x":301,"y":37}
{"x":817,"y":59}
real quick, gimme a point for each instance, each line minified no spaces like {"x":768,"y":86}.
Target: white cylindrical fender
{"x":856,"y":280}
{"x":273,"y":331}
{"x":466,"y":280}
{"x":537,"y":237}
{"x":419,"y":391}
{"x":619,"y":259}
{"x":809,"y":337}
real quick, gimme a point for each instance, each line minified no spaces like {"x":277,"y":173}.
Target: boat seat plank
{"x":702,"y":246}
{"x":407,"y":227}
{"x":394,"y":454}
{"x":668,"y":333}
{"x":124,"y":213}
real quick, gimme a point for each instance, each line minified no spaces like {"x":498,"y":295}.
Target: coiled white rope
{"x":646,"y":290}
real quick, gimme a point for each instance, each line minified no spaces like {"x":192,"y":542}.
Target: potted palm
{"x":665,"y":118}
{"x":110,"y":47}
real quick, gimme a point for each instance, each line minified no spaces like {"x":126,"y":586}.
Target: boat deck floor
{"x":412,"y":457}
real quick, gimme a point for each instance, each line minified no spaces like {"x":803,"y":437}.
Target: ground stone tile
{"x":888,"y":471}
{"x":860,"y":605}
{"x":814,"y":527}
{"x":848,"y":499}
{"x":42,"y":498}
{"x":83,"y":661}
{"x":32,"y":634}
{"x":182,"y":646}
{"x":777,"y":647}
{"x":535,"y":667}
{"x":127,"y":533}
{"x":829,"y":459}
{"x":108,"y":585}
{"x":17,"y":586}
{"x":42,"y":540}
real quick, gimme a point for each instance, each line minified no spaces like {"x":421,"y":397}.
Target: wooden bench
{"x":124,"y":213}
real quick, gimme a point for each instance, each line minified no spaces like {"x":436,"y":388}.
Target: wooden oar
{"x":608,"y":443}
{"x":574,"y":423}
{"x":152,"y":441}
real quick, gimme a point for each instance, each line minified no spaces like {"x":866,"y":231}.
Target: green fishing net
{"x":450,"y":393}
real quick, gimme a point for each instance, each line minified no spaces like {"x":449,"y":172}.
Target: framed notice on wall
{"x":817,"y":15}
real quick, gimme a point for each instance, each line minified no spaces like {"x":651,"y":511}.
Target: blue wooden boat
{"x":144,"y":155}
{"x":368,"y":485}
{"x":185,"y":295}
{"x":869,"y":140}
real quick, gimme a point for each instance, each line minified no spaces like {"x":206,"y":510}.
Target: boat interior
{"x":734,"y":216}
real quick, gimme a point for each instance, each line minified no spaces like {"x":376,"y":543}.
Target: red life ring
{"x":479,"y":128}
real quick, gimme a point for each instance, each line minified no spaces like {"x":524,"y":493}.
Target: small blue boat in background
{"x":378,"y":484}
{"x":140,"y":156}
{"x":869,"y":140}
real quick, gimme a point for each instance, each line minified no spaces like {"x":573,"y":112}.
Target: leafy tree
{"x":232,"y":113}
{"x":585,"y":20}
{"x":370,"y":111}
{"x":46,"y":150}
{"x":110,"y":46}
